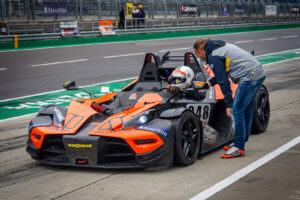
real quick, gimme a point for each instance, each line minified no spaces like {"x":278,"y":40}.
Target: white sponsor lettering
{"x":155,"y":130}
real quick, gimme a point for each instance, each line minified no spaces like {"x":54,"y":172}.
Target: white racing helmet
{"x":181,"y":77}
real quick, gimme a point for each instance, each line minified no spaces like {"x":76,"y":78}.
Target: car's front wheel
{"x":261,"y":113}
{"x":187,"y":139}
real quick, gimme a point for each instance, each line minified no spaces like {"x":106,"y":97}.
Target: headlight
{"x":140,"y":119}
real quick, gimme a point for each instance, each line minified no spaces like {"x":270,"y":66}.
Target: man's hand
{"x":209,"y":84}
{"x":228,"y":112}
{"x":175,"y":89}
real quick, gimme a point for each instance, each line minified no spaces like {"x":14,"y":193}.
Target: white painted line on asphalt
{"x":133,"y":54}
{"x":57,"y":63}
{"x":280,"y":61}
{"x":278,"y":52}
{"x":268,"y":39}
{"x":175,"y":49}
{"x":245,"y":41}
{"x":289,"y":36}
{"x":125,"y":55}
{"x":2,"y":69}
{"x":246,"y":170}
{"x":125,"y":79}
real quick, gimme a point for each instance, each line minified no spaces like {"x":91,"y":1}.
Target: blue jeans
{"x":242,"y":110}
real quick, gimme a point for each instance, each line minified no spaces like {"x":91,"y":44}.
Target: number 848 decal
{"x":202,"y":111}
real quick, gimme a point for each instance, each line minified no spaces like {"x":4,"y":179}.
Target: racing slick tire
{"x":187,"y":142}
{"x":261,"y":113}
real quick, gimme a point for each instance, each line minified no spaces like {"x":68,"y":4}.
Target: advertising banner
{"x":225,"y":11}
{"x":271,"y":10}
{"x":189,"y":10}
{"x":69,"y":29}
{"x":106,"y":27}
{"x":55,"y":9}
{"x":239,"y":10}
{"x":130,"y":8}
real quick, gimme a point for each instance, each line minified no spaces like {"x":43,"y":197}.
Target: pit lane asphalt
{"x":23,"y":178}
{"x":20,"y":78}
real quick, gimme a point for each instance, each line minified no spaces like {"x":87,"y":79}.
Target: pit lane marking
{"x":57,"y":63}
{"x":2,"y":69}
{"x":32,"y":95}
{"x":179,"y":49}
{"x":268,"y":39}
{"x":289,"y":36}
{"x":246,"y":170}
{"x":245,"y":41}
{"x":125,"y":55}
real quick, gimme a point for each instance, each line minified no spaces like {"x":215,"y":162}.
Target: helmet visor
{"x":178,"y":80}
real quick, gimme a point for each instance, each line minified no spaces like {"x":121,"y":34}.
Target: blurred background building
{"x":96,"y":9}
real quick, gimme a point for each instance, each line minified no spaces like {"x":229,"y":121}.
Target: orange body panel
{"x":116,"y":121}
{"x":43,"y":131}
{"x":111,"y":127}
{"x":106,"y":97}
{"x":130,"y":135}
{"x":218,"y":93}
{"x":77,"y":114}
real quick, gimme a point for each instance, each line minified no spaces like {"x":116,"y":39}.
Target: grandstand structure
{"x":97,"y":9}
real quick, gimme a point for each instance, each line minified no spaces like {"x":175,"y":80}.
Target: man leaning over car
{"x":228,"y":60}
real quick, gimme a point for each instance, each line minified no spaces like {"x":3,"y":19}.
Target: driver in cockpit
{"x":182,"y":78}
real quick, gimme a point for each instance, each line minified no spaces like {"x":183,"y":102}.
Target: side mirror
{"x":198,"y":85}
{"x":70,"y":85}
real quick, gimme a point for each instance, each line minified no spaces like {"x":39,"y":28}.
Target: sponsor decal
{"x":132,"y":96}
{"x":271,"y":10}
{"x":77,"y":146}
{"x":210,"y":136}
{"x":158,"y":130}
{"x":55,"y":9}
{"x":225,"y":11}
{"x":114,"y":131}
{"x":239,"y":10}
{"x":189,"y":10}
{"x":106,"y":27}
{"x":69,"y":28}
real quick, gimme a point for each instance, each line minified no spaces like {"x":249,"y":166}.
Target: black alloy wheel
{"x":261,"y":115}
{"x":187,"y":139}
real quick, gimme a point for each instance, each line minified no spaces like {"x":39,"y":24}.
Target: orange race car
{"x":142,"y":126}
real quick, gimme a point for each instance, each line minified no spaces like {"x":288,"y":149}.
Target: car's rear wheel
{"x":261,"y":113}
{"x":187,"y":139}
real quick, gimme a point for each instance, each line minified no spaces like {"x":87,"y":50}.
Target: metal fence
{"x":95,"y":9}
{"x":46,"y":27}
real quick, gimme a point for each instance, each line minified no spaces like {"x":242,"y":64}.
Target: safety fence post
{"x":2,"y":10}
{"x":80,"y":8}
{"x":166,"y":9}
{"x":16,"y":41}
{"x":99,"y":9}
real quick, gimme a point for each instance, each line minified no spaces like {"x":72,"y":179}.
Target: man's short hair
{"x":201,"y":44}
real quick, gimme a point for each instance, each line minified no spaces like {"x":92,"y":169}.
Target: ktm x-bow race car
{"x":143,"y":125}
